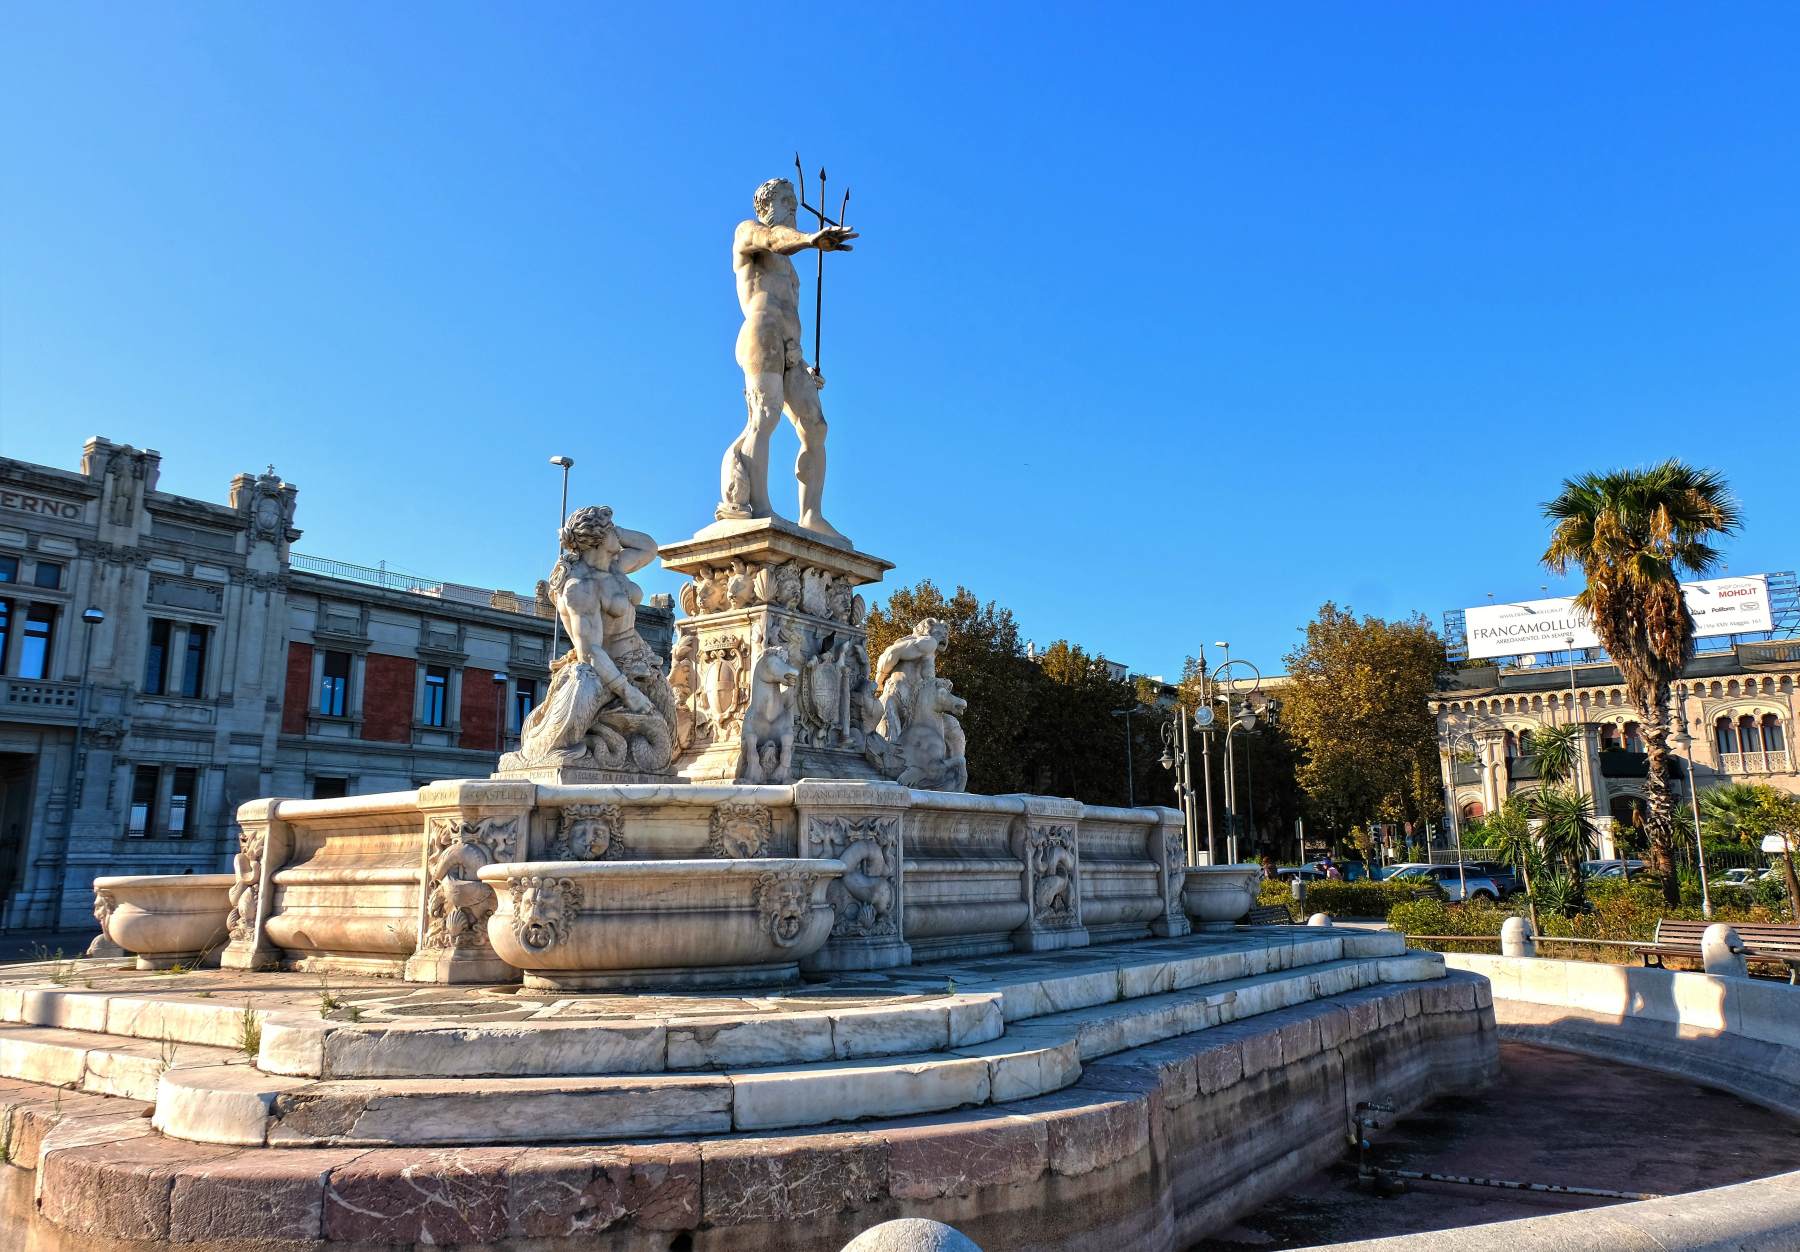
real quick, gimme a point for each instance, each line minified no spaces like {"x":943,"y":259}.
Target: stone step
{"x":959,"y":1004}
{"x":235,"y":1104}
{"x":81,"y":1060}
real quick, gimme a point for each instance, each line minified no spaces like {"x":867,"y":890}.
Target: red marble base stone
{"x":1151,"y":1150}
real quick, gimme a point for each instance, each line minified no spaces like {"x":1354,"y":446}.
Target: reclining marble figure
{"x":609,"y":706}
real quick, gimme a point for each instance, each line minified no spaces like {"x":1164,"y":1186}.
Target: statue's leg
{"x":744,"y":473}
{"x":804,"y":410}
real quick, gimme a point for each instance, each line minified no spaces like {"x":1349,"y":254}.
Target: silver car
{"x":1457,"y":885}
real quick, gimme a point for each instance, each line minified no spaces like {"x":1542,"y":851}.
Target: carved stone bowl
{"x":1216,"y":896}
{"x":165,"y":919}
{"x":603,"y":925}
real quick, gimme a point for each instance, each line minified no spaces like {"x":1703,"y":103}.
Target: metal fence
{"x":417,"y":584}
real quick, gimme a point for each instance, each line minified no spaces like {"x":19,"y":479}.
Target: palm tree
{"x":1728,"y":811}
{"x":1632,"y":533}
{"x":1566,"y":830}
{"x":1556,"y":749}
{"x":1508,"y":831}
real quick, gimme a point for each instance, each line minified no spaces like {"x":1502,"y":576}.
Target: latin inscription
{"x":43,"y":506}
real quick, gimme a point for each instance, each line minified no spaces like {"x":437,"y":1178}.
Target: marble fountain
{"x":725,"y":955}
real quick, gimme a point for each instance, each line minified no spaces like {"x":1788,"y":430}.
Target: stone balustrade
{"x":392,"y":883}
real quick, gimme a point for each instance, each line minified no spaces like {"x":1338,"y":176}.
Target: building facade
{"x":1732,"y":719}
{"x":164,"y":659}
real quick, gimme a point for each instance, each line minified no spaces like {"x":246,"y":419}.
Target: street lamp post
{"x":51,"y":910}
{"x":1175,"y":757}
{"x":566,"y":463}
{"x":1456,"y":736}
{"x":1685,"y":740}
{"x":1237,"y":719}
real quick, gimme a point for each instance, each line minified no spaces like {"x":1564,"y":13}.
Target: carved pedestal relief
{"x":1167,"y":847}
{"x":588,"y":832}
{"x":262,"y":847}
{"x":457,"y":904}
{"x":739,"y":831}
{"x":865,"y":898}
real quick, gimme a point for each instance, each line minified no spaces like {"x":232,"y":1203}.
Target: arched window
{"x":1749,"y":734}
{"x":1472,"y":810}
{"x":1727,"y":735}
{"x":1525,"y":743}
{"x":1773,"y":738}
{"x":1512,"y":745}
{"x":1634,"y":742}
{"x":1609,"y":737}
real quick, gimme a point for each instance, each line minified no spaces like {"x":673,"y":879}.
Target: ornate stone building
{"x":1733,"y":718}
{"x":222,"y":667}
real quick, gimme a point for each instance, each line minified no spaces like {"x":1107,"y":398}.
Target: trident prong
{"x":819,"y":213}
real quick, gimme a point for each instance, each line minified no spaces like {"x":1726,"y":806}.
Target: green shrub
{"x":1361,"y":898}
{"x":1439,"y":917}
{"x":1274,"y":891}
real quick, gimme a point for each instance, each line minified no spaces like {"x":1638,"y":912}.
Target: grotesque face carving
{"x":543,"y":908}
{"x":785,"y":902}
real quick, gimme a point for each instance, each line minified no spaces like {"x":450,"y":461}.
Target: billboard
{"x":1721,"y":606}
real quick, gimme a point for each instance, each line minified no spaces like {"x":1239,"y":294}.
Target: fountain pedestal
{"x":772,"y":606}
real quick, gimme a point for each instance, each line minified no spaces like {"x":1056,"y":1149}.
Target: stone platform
{"x":1049,"y":1090}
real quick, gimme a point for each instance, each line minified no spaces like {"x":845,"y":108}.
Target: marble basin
{"x":165,"y":919}
{"x":1216,"y":896}
{"x":599,"y":925}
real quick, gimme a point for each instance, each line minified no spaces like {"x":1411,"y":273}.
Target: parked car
{"x":1311,"y":873}
{"x":1385,"y":872}
{"x":1611,"y":869}
{"x":1453,"y":881}
{"x":1505,"y":876}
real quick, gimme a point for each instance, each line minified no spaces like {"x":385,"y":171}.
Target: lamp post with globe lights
{"x":1238,"y":717}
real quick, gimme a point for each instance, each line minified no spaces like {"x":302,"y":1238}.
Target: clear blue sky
{"x":1368,"y":279}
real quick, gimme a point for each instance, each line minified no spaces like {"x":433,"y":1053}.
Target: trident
{"x":819,"y":283}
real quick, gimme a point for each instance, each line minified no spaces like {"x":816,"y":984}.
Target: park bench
{"x":1269,"y":915}
{"x":1775,"y":944}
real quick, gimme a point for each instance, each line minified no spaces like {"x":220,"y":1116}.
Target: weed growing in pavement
{"x":250,"y":1032}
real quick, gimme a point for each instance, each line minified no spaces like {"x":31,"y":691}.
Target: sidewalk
{"x":37,"y":945}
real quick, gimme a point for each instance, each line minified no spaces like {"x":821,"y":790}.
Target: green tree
{"x":1566,"y":832}
{"x":1632,"y":533}
{"x":1749,"y":812}
{"x":1045,"y":725}
{"x":1508,"y":831}
{"x":1731,"y":812}
{"x":1556,"y":749}
{"x":1357,"y":703}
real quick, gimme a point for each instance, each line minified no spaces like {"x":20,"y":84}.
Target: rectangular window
{"x":156,"y":658}
{"x":9,"y":569}
{"x":48,"y":574}
{"x":193,"y":668}
{"x":40,"y":627}
{"x":142,"y":822}
{"x":524,"y":700}
{"x":183,"y":798}
{"x":334,"y":684}
{"x":5,"y":627}
{"x":330,"y":788}
{"x":437,"y":694}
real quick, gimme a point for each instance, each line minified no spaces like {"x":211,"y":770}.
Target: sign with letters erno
{"x":1721,"y":606}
